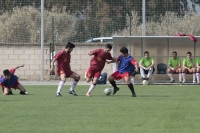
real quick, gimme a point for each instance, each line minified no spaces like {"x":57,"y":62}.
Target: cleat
{"x":194,"y":82}
{"x":88,"y":94}
{"x":183,"y":81}
{"x":23,"y":93}
{"x":10,"y":93}
{"x":133,"y":95}
{"x":58,"y":95}
{"x":172,"y":81}
{"x":115,"y":90}
{"x":180,"y":81}
{"x":73,"y":93}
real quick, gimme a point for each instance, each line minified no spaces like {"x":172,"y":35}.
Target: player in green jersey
{"x":174,"y":66}
{"x":146,"y":66}
{"x":189,"y":67}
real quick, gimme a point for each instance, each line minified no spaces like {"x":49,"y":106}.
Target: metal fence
{"x":79,"y":20}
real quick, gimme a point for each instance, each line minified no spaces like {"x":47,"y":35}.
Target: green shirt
{"x":198,"y":61}
{"x":146,"y":62}
{"x":174,"y":62}
{"x":187,"y":63}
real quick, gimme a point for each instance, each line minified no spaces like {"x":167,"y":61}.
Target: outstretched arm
{"x":19,"y":66}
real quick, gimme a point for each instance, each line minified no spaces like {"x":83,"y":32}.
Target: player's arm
{"x":52,"y":65}
{"x":112,"y":61}
{"x":197,"y":64}
{"x":19,"y":66}
{"x":184,"y":65}
{"x":141,"y":66}
{"x":152,"y":64}
{"x":135,"y":64}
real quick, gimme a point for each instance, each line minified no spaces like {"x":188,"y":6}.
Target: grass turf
{"x":156,"y":109}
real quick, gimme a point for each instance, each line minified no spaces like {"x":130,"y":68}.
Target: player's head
{"x":174,"y":54}
{"x":146,"y":54}
{"x":189,"y":54}
{"x":69,"y":46}
{"x":6,"y":73}
{"x":108,"y":48}
{"x":124,"y":51}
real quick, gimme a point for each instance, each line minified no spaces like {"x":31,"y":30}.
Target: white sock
{"x":150,"y":72}
{"x":170,"y":76}
{"x":60,"y":85}
{"x":183,"y":75}
{"x":92,"y":86}
{"x":180,"y":76}
{"x":194,"y":76}
{"x":197,"y":75}
{"x":142,"y":72}
{"x":74,"y":83}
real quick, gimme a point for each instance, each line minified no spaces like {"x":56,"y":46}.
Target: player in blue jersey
{"x":127,"y":65}
{"x":9,"y":80}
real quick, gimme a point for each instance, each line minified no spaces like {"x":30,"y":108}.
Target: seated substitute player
{"x":198,"y":69}
{"x":97,"y":63}
{"x":9,"y":80}
{"x":127,"y":65}
{"x":189,"y":66}
{"x":63,"y":68}
{"x":146,"y":65}
{"x":174,"y":66}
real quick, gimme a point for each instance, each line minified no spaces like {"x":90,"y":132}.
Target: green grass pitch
{"x":156,"y":109}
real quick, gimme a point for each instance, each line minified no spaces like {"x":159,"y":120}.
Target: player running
{"x":127,"y":65}
{"x":9,"y":80}
{"x":174,"y":66}
{"x":189,"y":67}
{"x":97,"y":64}
{"x":63,"y":69}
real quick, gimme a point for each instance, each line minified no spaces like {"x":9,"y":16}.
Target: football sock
{"x":142,"y":72}
{"x":194,"y":76}
{"x":92,"y":86}
{"x":60,"y":85}
{"x":74,"y":83}
{"x":170,"y":76}
{"x":131,"y":88}
{"x":197,"y":75}
{"x":183,"y":75}
{"x":180,"y":76}
{"x":113,"y":83}
{"x":150,"y":72}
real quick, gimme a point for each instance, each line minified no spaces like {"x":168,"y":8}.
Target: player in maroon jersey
{"x":63,"y":69}
{"x":97,"y":63}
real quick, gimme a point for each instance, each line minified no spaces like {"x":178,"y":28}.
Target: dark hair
{"x":69,"y":45}
{"x":6,"y":72}
{"x":108,"y":46}
{"x":189,"y":53}
{"x":124,"y":50}
{"x":174,"y":52}
{"x":146,"y":52}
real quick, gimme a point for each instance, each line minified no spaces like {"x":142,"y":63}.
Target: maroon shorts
{"x":14,"y":86}
{"x":93,"y":73}
{"x":67,"y":72}
{"x":116,"y":75}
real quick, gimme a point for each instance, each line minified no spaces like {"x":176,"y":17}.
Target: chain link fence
{"x":79,"y":20}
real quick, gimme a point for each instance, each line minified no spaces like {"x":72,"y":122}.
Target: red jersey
{"x":63,"y":60}
{"x":99,"y":59}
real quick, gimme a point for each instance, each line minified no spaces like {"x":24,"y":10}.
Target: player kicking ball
{"x":9,"y":80}
{"x":63,"y":69}
{"x":97,"y":63}
{"x":127,"y":65}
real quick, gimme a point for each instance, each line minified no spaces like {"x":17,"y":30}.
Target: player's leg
{"x":5,"y":90}
{"x":179,"y":71}
{"x":90,"y":76}
{"x":193,"y":71}
{"x":127,"y":79}
{"x":197,"y":75}
{"x":61,"y":83}
{"x":142,"y":73}
{"x":22,"y":89}
{"x":169,"y":72}
{"x":150,"y":72}
{"x":183,"y":74}
{"x":92,"y":85}
{"x":76,"y":78}
{"x":116,"y":75}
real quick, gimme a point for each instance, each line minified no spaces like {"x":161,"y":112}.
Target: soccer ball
{"x":107,"y":91}
{"x":145,"y":82}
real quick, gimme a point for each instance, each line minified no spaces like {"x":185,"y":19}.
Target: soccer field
{"x":156,"y":109}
